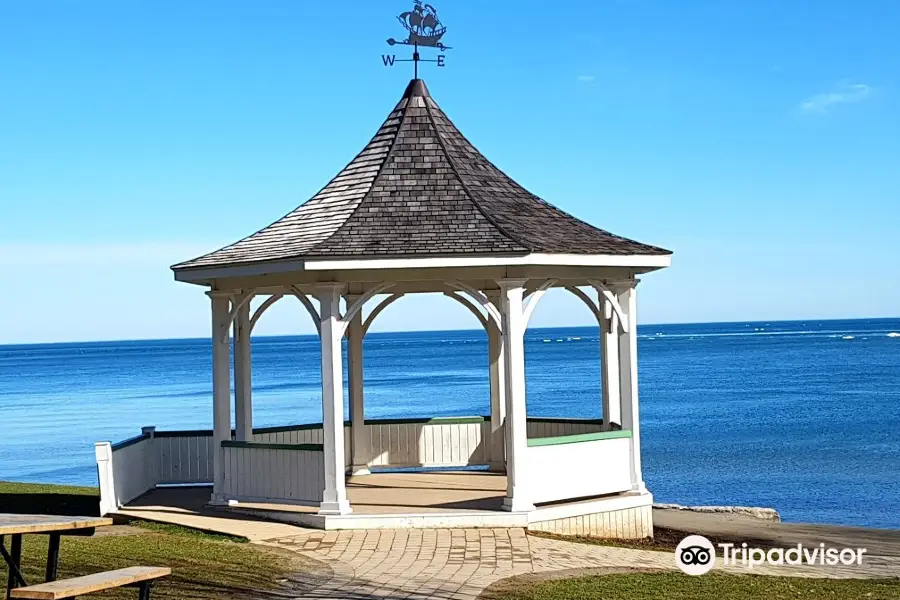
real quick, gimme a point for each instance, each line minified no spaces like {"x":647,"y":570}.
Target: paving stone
{"x":460,"y":564}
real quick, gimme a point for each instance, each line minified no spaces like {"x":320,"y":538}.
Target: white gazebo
{"x":419,"y":210}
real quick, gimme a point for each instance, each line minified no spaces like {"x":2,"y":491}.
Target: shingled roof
{"x":420,"y":189}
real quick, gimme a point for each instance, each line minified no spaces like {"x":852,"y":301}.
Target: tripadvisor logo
{"x":696,"y":555}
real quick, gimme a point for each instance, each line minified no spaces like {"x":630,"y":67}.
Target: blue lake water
{"x":800,"y":416}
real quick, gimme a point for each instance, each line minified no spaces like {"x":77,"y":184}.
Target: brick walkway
{"x":458,"y":564}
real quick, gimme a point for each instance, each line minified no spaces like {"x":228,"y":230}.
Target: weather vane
{"x":424,"y":29}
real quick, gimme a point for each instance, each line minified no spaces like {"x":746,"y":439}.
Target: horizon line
{"x":277,"y":335}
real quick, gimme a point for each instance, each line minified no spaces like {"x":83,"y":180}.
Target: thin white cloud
{"x":586,"y":78}
{"x":843,"y":93}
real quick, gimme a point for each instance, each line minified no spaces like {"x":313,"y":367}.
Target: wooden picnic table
{"x":17,"y":525}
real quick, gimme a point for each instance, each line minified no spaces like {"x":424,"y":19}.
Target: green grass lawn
{"x":13,"y":487}
{"x":676,"y":586}
{"x":204,"y":566}
{"x":41,"y":498}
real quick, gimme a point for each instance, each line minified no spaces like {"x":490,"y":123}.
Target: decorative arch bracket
{"x":308,"y":305}
{"x":377,"y":310}
{"x":263,"y":308}
{"x":589,"y":302}
{"x":535,"y":297}
{"x":468,"y":303}
{"x":293,"y":291}
{"x":237,"y":302}
{"x":303,"y":298}
{"x":358,"y":304}
{"x":479,"y":297}
{"x":612,"y":302}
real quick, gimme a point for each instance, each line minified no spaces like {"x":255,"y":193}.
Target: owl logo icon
{"x":695,"y":555}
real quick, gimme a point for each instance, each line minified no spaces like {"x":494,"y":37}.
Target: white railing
{"x":299,"y":434}
{"x":284,"y":473}
{"x":126,"y":469}
{"x":131,"y":468}
{"x":579,"y":466}
{"x":184,"y":457}
{"x":442,"y":442}
{"x":548,"y":427}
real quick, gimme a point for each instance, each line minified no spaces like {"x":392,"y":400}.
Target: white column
{"x":221,"y":390}
{"x":517,"y":492}
{"x":334,"y":498}
{"x":609,"y":363}
{"x":628,"y":382}
{"x":243,"y":402}
{"x":497,"y":379}
{"x":358,"y":433}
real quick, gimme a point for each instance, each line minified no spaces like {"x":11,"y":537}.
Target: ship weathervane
{"x":425,"y":29}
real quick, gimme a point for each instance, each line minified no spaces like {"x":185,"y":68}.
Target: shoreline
{"x":878,"y":541}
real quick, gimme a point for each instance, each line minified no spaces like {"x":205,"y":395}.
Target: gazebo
{"x":420,"y":210}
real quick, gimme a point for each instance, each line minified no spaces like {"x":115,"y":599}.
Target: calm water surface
{"x":801,"y":416}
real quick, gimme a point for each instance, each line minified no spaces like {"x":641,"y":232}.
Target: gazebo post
{"x":609,"y":364}
{"x":221,"y":389}
{"x":359,"y":439}
{"x":513,"y":331}
{"x":628,"y":381}
{"x":497,"y":376}
{"x":243,"y":403}
{"x":334,"y":496}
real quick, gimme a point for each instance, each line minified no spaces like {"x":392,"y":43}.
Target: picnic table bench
{"x":17,"y":525}
{"x":140,"y":577}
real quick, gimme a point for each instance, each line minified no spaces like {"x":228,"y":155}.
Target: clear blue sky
{"x":760,"y":140}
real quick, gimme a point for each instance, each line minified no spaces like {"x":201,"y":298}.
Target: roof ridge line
{"x":387,"y":156}
{"x":462,"y":182}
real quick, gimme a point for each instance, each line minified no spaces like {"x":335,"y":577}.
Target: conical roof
{"x":420,"y":189}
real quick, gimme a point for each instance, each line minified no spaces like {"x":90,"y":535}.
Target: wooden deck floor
{"x":186,"y":506}
{"x":432,"y":492}
{"x":375,"y":494}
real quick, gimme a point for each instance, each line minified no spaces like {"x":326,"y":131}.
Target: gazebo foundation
{"x":465,"y":504}
{"x":448,"y":499}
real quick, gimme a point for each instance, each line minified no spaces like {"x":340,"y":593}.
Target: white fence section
{"x":300,"y":434}
{"x":126,"y":469}
{"x":184,"y":457}
{"x":544,"y":428}
{"x":441,"y":442}
{"x":135,"y":466}
{"x":433,"y":443}
{"x":259,"y":472}
{"x":585,"y":465}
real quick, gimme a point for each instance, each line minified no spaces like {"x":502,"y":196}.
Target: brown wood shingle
{"x":419,"y":188}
